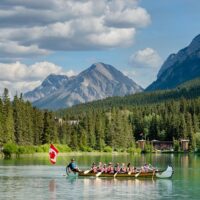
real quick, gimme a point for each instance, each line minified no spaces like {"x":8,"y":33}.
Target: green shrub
{"x":107,"y":149}
{"x":86,"y":149}
{"x":26,"y":149}
{"x":45,"y":147}
{"x":148,"y":148}
{"x":138,"y":150}
{"x":131,"y":150}
{"x":21,"y":150}
{"x":63,"y":148}
{"x":39,"y":149}
{"x":9,"y":149}
{"x":176,"y":145}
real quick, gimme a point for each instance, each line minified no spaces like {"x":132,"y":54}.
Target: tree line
{"x":23,"y":124}
{"x":88,"y":128}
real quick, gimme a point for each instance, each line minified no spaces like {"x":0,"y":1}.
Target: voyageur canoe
{"x":151,"y":174}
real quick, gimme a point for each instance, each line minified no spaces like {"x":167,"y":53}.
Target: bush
{"x":148,"y":148}
{"x":107,"y":149}
{"x":26,"y":149}
{"x":131,"y":150}
{"x":176,"y":146}
{"x":21,"y":150}
{"x":138,"y":150}
{"x":63,"y":148}
{"x":86,"y":149}
{"x":45,"y":147}
{"x":9,"y":149}
{"x":39,"y":149}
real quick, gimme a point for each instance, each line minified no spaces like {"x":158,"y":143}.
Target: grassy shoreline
{"x":79,"y":153}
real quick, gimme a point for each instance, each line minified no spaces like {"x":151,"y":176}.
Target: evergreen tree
{"x":1,"y":121}
{"x":190,"y":131}
{"x":8,"y":125}
{"x":47,"y":129}
{"x":18,"y":120}
{"x":91,"y":129}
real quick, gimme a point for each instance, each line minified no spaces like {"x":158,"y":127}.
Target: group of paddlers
{"x":110,"y":168}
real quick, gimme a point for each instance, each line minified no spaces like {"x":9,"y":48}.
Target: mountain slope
{"x":50,"y":84}
{"x":180,"y":67}
{"x":97,"y":82}
{"x":188,"y":90}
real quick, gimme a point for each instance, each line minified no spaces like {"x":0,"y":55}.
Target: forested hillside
{"x":119,"y":122}
{"x":188,"y":90}
{"x":114,"y":123}
{"x":22,"y":124}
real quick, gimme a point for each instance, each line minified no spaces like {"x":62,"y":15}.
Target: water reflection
{"x":52,"y":189}
{"x":26,"y":179}
{"x":131,"y":188}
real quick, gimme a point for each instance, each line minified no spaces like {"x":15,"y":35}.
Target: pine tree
{"x":190,"y":131}
{"x":8,"y":126}
{"x":47,"y":129}
{"x":38,"y":125}
{"x":1,"y":122}
{"x":91,"y":129}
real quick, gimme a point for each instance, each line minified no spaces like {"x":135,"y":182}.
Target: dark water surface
{"x":35,"y":178}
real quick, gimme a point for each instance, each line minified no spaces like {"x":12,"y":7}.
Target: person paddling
{"x":72,"y":166}
{"x":110,"y":168}
{"x":128,"y":167}
{"x":117,"y":168}
{"x":94,"y":168}
{"x":100,"y":167}
{"x":123,"y":168}
{"x":104,"y":170}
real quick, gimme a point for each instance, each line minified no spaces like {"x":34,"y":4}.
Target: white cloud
{"x":147,"y":57}
{"x":13,"y":49}
{"x":34,"y":28}
{"x":128,"y":18}
{"x":19,"y":77}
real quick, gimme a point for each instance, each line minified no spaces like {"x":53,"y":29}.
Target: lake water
{"x":35,"y":178}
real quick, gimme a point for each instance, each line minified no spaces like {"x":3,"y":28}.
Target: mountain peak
{"x":50,"y":84}
{"x":99,"y":81}
{"x":54,"y":80}
{"x":179,"y":67}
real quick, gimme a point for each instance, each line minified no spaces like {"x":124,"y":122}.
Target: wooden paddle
{"x":129,"y":173}
{"x":87,"y":171}
{"x":98,"y":174}
{"x":153,"y":173}
{"x":138,"y":174}
{"x":115,"y":174}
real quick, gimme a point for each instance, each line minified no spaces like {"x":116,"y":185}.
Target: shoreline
{"x":64,"y":154}
{"x":77,"y":153}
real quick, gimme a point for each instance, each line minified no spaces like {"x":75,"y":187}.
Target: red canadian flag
{"x":53,"y":152}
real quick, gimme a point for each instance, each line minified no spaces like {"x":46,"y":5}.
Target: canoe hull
{"x":142,"y":174}
{"x":156,"y":174}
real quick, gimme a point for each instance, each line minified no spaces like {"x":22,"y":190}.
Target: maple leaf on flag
{"x":53,"y":153}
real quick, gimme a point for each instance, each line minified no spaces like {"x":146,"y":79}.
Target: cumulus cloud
{"x":10,"y":49}
{"x":19,"y":77}
{"x":41,"y":27}
{"x":147,"y":57}
{"x":128,"y":18}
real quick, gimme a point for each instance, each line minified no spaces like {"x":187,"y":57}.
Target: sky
{"x":38,"y":38}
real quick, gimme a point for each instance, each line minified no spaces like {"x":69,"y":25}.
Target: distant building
{"x":73,"y":122}
{"x":185,"y":145}
{"x":141,"y":144}
{"x":162,"y":145}
{"x":59,"y":120}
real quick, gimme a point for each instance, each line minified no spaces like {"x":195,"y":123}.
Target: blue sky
{"x":67,"y":36}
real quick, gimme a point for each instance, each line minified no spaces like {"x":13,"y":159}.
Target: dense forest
{"x":111,"y":124}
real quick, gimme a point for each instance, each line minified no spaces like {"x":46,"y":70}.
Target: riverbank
{"x":44,"y":154}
